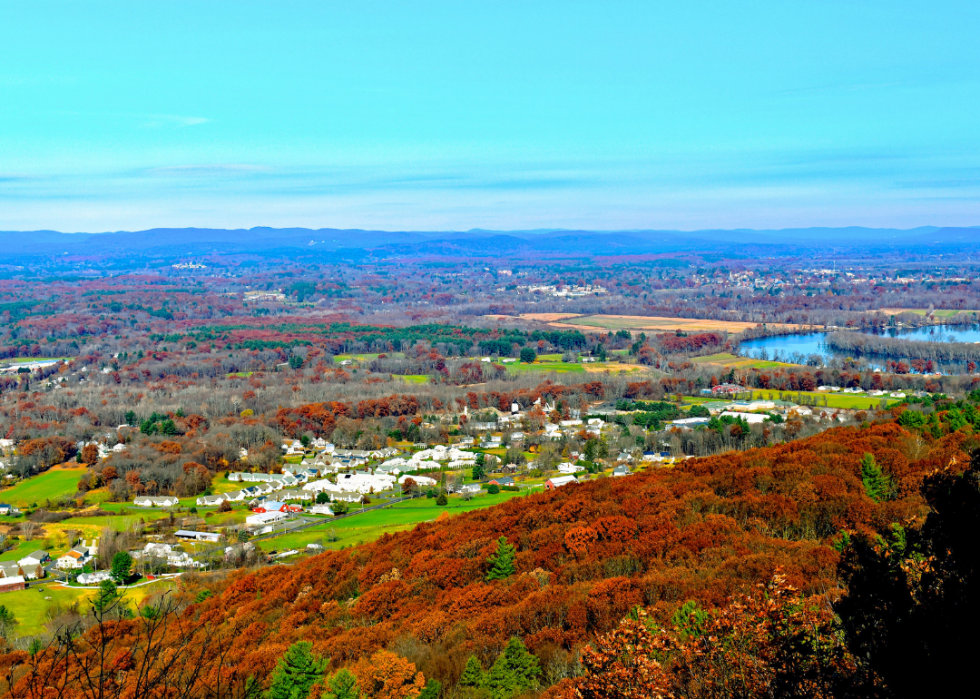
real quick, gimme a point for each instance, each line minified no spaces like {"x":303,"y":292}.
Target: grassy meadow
{"x":50,"y":485}
{"x":371,"y":525}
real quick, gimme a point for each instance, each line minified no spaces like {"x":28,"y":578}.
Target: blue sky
{"x":458,"y":115}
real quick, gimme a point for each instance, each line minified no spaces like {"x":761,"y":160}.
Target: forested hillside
{"x":584,"y":557}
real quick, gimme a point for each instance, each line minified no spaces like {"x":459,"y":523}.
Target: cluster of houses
{"x":165,"y":552}
{"x":34,"y":566}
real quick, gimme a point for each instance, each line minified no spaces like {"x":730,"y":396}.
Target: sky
{"x":504,"y":115}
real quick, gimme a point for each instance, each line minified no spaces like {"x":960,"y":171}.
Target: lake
{"x":806,"y":349}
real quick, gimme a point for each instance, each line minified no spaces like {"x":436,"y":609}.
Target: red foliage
{"x":586,"y":555}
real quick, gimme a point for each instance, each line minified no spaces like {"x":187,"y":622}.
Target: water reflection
{"x":810,"y":348}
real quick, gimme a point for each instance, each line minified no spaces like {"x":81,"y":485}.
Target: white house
{"x":212,"y":500}
{"x":264,"y":522}
{"x":74,"y":559}
{"x":146,"y":501}
{"x":569,"y":468}
{"x":197,"y":536}
{"x":362,"y":483}
{"x":419,"y":480}
{"x":35,"y":559}
{"x":154,"y":550}
{"x":94,"y":578}
{"x":559,"y":481}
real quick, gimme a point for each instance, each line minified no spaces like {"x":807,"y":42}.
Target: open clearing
{"x":727,"y":360}
{"x":32,"y":610}
{"x":371,"y":525}
{"x":833,"y":400}
{"x":411,"y":378}
{"x":938,"y":313}
{"x":548,"y":365}
{"x":597,"y":323}
{"x":50,"y":485}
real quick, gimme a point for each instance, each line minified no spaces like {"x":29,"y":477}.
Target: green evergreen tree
{"x":521,"y":664}
{"x":473,"y":675}
{"x":515,"y":672}
{"x":501,"y":561}
{"x":442,"y":500}
{"x":342,"y":685}
{"x":105,"y":598}
{"x":479,"y":472}
{"x":122,"y":563}
{"x":431,"y":690}
{"x":501,"y":682}
{"x":877,"y":484}
{"x":296,"y":672}
{"x":7,"y":621}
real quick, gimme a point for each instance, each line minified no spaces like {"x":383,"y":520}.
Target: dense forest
{"x":557,"y":571}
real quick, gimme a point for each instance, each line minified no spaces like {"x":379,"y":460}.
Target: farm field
{"x":541,"y":364}
{"x":833,"y":400}
{"x":365,"y":357}
{"x":371,"y":525}
{"x":938,"y":313}
{"x":411,"y":378}
{"x":31,"y":608}
{"x":547,"y":363}
{"x":21,"y":549}
{"x":730,"y":360}
{"x":50,"y":485}
{"x":593,"y":323}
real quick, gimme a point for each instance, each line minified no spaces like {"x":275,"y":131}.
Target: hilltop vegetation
{"x":586,"y":555}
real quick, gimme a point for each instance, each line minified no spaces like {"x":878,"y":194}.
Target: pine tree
{"x":106,"y":597}
{"x":122,"y":562}
{"x":472,"y":674}
{"x":342,"y":685}
{"x":502,"y":561}
{"x":296,"y":672}
{"x":431,"y":690}
{"x":501,"y":681}
{"x":877,"y":485}
{"x":521,"y":664}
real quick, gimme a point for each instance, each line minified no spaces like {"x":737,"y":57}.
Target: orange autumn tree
{"x":773,"y":643}
{"x":385,"y":675}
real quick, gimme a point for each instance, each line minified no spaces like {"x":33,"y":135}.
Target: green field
{"x":371,"y":525}
{"x":938,"y":313}
{"x":366,"y":357}
{"x":730,"y":360}
{"x":33,"y":609}
{"x":540,"y":365}
{"x":50,"y":485}
{"x":21,"y":549}
{"x":834,"y":400}
{"x":411,"y":378}
{"x":239,"y":374}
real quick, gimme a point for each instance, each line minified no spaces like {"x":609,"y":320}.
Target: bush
{"x":442,"y":500}
{"x":493,"y":488}
{"x":528,"y":355}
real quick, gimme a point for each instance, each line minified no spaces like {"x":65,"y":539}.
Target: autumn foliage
{"x":587,"y":555}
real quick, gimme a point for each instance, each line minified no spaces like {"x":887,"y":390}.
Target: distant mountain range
{"x":171,"y":242}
